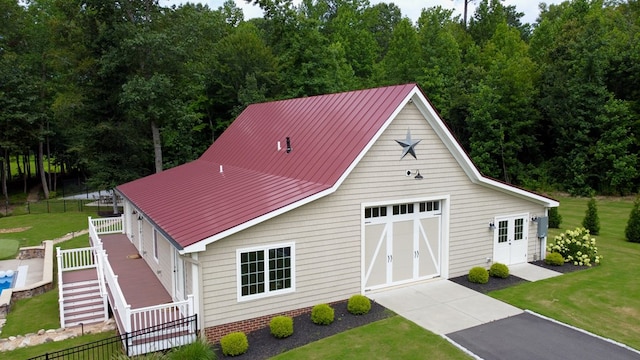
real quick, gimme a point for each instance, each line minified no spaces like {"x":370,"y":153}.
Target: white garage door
{"x":402,"y":243}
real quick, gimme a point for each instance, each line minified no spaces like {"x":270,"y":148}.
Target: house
{"x":312,"y":200}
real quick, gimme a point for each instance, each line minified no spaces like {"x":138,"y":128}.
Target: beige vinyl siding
{"x":327,"y":232}
{"x":163,"y":266}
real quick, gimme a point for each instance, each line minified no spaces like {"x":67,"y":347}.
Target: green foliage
{"x":632,"y":231}
{"x":576,"y":246}
{"x":359,"y":305}
{"x":281,"y":326}
{"x":478,"y":275}
{"x":591,"y":220}
{"x":555,"y":219}
{"x":551,"y":107}
{"x":322,"y":314}
{"x":554,"y":259}
{"x":499,"y":270}
{"x":234,"y":344}
{"x":199,"y":349}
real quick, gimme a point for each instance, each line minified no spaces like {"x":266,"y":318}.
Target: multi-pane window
{"x":428,"y":206}
{"x":265,"y":271}
{"x":402,"y":209}
{"x":377,"y":211}
{"x":503,"y":229}
{"x":518,"y":231}
{"x":279,"y":268}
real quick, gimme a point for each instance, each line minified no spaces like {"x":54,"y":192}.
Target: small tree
{"x":591,"y":220}
{"x":555,"y":219}
{"x":632,"y":232}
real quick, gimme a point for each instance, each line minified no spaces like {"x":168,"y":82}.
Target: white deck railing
{"x":131,"y":319}
{"x":110,"y":225}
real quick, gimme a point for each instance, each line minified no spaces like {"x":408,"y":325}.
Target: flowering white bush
{"x":576,"y":246}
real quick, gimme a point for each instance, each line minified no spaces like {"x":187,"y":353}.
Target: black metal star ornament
{"x":408,"y":145}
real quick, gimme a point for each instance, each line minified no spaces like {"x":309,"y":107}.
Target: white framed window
{"x":265,"y":271}
{"x":155,"y":245}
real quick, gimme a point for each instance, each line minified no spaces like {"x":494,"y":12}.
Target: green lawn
{"x":8,"y":248}
{"x":605,"y":299}
{"x":43,"y":226}
{"x":30,"y":315}
{"x":31,"y":351}
{"x":392,"y":338}
{"x":21,"y":319}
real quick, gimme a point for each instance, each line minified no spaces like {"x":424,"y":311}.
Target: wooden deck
{"x":140,"y":286}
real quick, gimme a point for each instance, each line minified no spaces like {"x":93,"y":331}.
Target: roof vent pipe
{"x":221,"y":169}
{"x":288,"y":145}
{"x":279,"y":147}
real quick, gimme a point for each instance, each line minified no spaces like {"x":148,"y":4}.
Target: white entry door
{"x":510,"y":240}
{"x":402,"y":248}
{"x":179,"y":276}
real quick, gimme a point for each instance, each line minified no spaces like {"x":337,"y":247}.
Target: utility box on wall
{"x":543,"y":226}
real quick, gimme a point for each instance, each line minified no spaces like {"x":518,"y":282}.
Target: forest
{"x":113,"y":90}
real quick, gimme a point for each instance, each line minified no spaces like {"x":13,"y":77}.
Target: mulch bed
{"x":493,"y":284}
{"x":262,"y":345}
{"x":566,"y":268}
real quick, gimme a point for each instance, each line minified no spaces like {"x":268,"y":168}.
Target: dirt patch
{"x":14,"y":230}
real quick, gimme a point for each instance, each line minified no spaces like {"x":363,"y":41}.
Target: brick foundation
{"x":214,"y":333}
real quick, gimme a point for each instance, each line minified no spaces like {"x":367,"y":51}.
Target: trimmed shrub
{"x":632,"y":231}
{"x":554,"y":259}
{"x":576,"y":246}
{"x":555,"y":219}
{"x":499,"y":270}
{"x":234,"y":344}
{"x":591,"y":220}
{"x":478,"y":275}
{"x":322,"y":314}
{"x":359,"y":305}
{"x":281,"y":326}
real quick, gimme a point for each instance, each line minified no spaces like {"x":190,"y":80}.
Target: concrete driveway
{"x":491,"y":329}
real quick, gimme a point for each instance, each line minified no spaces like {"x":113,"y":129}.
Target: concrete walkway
{"x":442,"y":306}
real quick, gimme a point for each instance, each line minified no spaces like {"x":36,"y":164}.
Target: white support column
{"x":196,"y":288}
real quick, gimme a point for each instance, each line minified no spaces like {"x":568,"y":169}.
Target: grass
{"x":32,"y":164}
{"x":8,"y":248}
{"x":30,"y":315}
{"x":392,"y":338}
{"x":605,"y":299}
{"x":32,"y":351}
{"x":44,"y":226}
{"x":21,"y":319}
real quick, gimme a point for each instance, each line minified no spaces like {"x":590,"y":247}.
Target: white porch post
{"x":196,"y":288}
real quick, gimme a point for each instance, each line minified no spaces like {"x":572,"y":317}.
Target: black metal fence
{"x":160,"y":337}
{"x":58,"y":206}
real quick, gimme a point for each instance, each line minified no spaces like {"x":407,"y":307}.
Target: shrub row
{"x":480,"y":275}
{"x":236,"y":343}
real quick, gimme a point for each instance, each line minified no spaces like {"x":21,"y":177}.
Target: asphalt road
{"x":529,"y":337}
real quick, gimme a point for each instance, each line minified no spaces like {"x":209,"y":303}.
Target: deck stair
{"x":82,"y":303}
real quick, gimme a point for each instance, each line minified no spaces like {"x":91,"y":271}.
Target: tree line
{"x":116,"y":90}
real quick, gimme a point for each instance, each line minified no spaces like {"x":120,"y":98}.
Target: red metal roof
{"x":195,"y":201}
